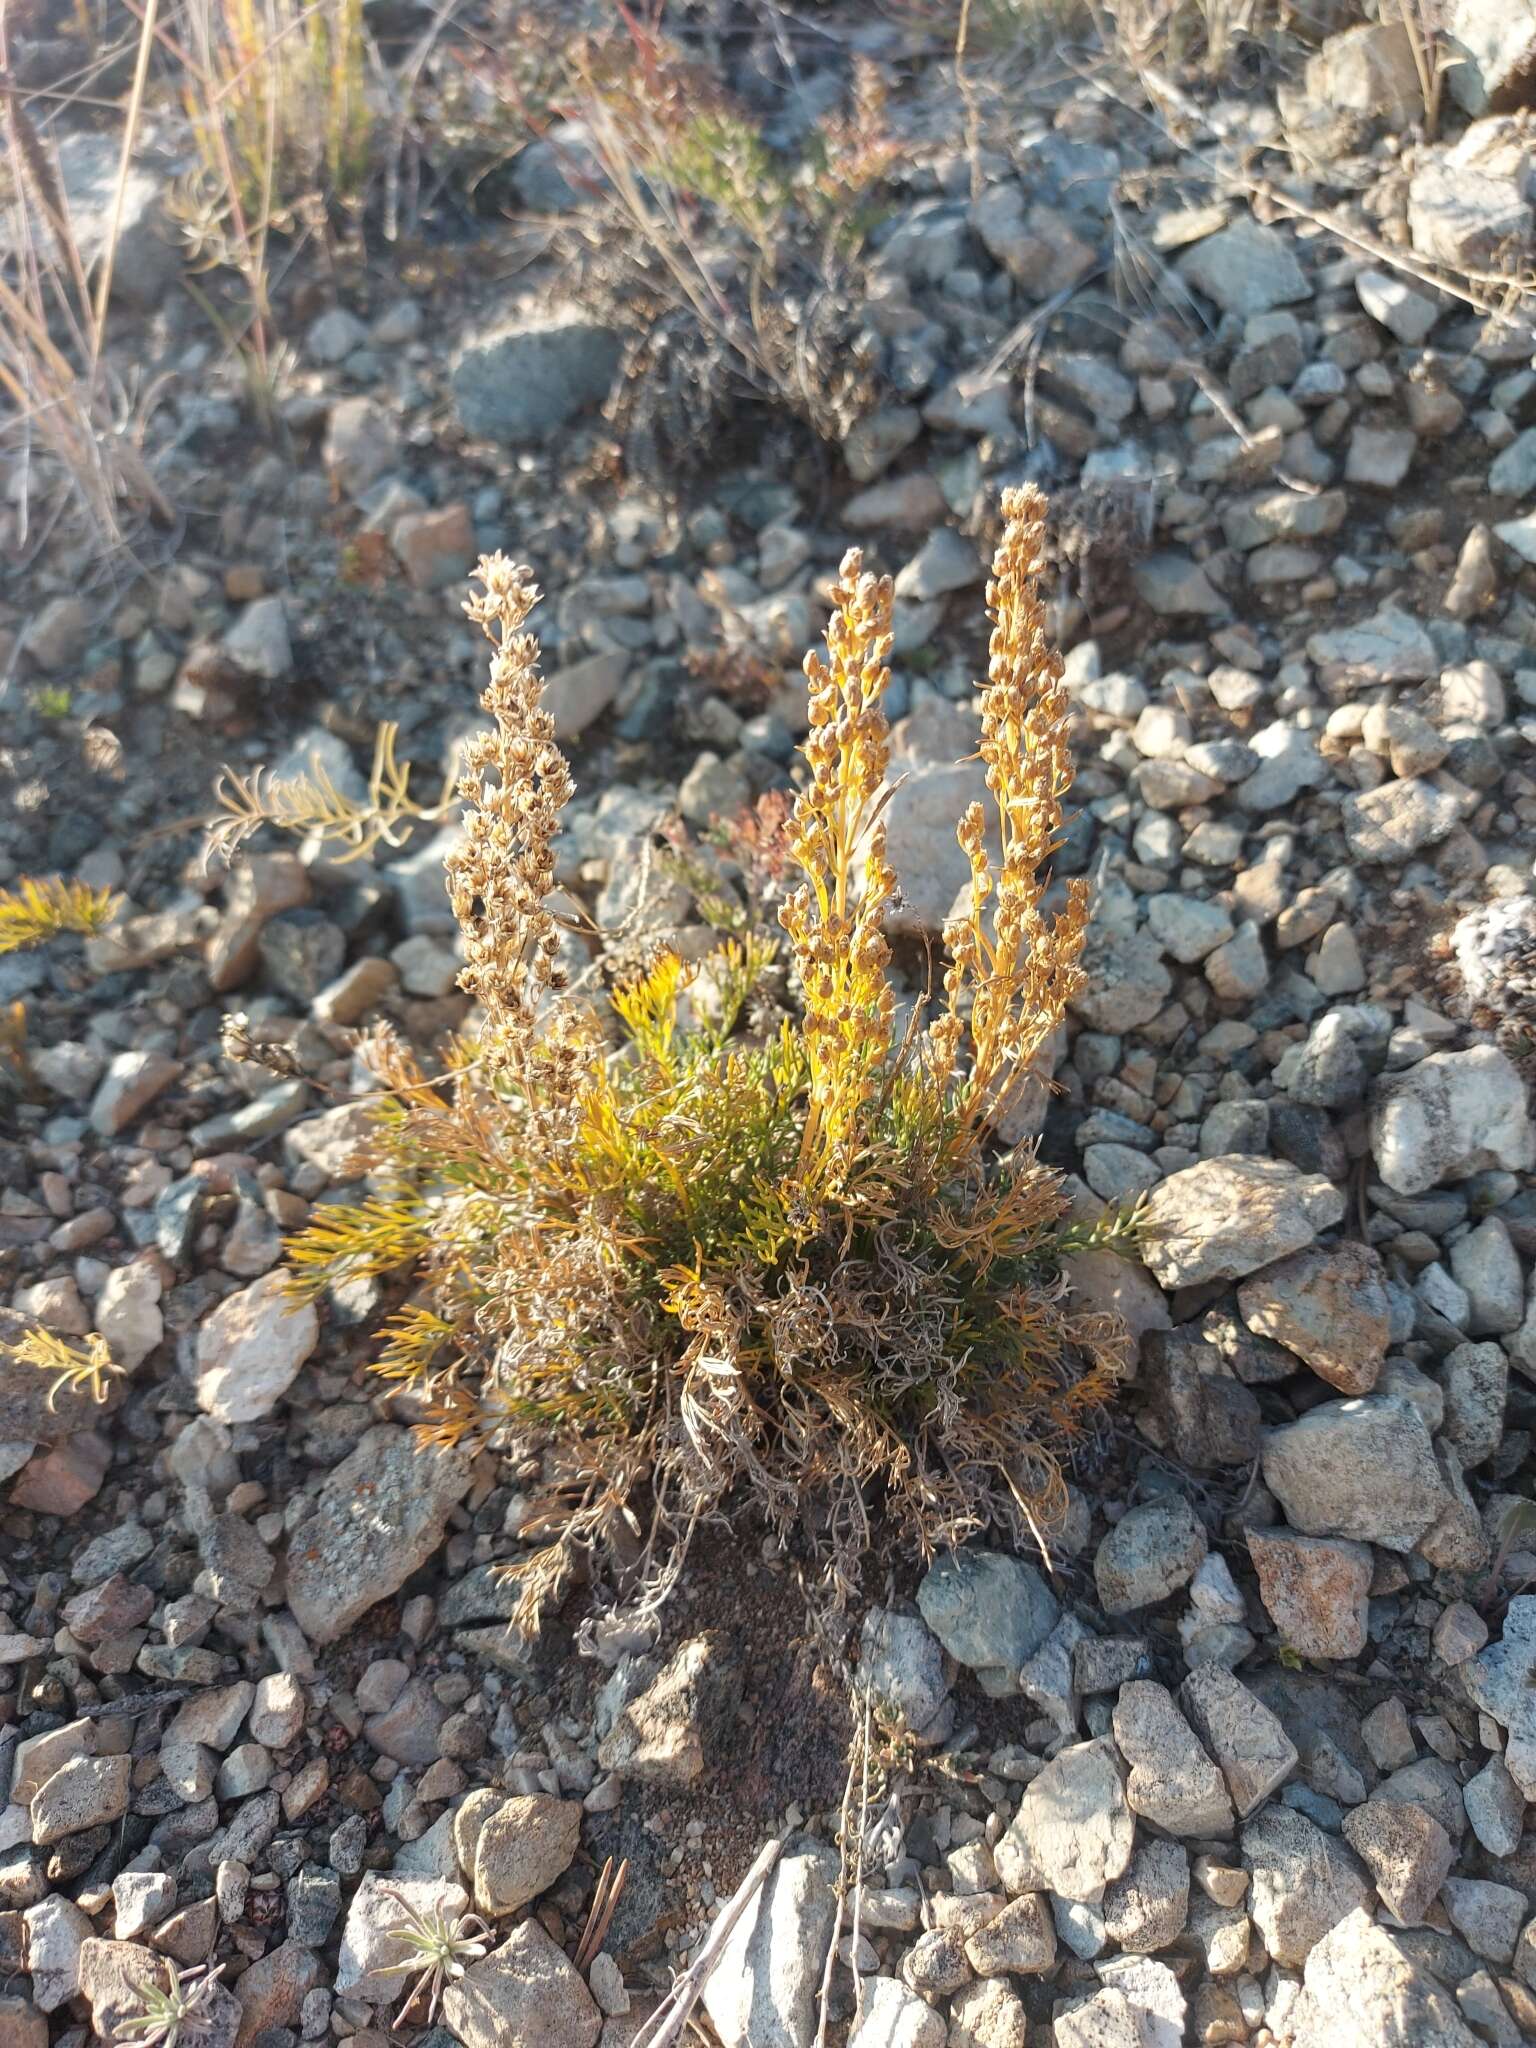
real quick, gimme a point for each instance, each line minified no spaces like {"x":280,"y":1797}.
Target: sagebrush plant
{"x":694,"y":1263}
{"x":736,"y":266}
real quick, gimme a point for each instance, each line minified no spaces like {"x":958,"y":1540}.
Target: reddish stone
{"x":61,"y":1481}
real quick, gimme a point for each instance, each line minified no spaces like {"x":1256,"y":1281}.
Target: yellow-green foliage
{"x":693,"y":1262}
{"x":85,"y":1371}
{"x":274,"y":90}
{"x":35,"y":911}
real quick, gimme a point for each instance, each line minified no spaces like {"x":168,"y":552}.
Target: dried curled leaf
{"x":312,"y":804}
{"x":85,"y":1371}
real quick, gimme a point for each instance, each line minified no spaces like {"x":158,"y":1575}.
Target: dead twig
{"x":667,"y":2023}
{"x":605,"y":1899}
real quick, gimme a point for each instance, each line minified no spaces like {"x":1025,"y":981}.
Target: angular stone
{"x":131,"y":1083}
{"x":1329,"y":1306}
{"x":1227,"y":1217}
{"x":521,"y":381}
{"x":521,"y":1849}
{"x":1314,"y":1589}
{"x":990,"y":1611}
{"x":272,"y":1991}
{"x":1254,"y":1752}
{"x":251,"y":1349}
{"x":1387,"y":826}
{"x":379,"y":1516}
{"x":1021,"y":1938}
{"x":1407,"y":1852}
{"x":1246,"y":268}
{"x":894,"y":2017}
{"x":1146,"y":1909}
{"x":1302,"y":1883}
{"x":1193,"y":1404}
{"x":1361,"y":1985}
{"x":114,"y":1976}
{"x":371,"y":1940}
{"x":1451,"y":1115}
{"x":667,"y":1735}
{"x":763,"y":1991}
{"x":1073,"y":1831}
{"x":1364,"y":1469}
{"x":86,"y":1792}
{"x":1172,"y":1782}
{"x":1151,"y":1552}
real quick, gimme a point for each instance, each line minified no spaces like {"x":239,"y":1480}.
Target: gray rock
{"x":1302,"y":1883}
{"x":1364,"y":1469}
{"x":1326,"y":1071}
{"x":902,"y":1663}
{"x":1392,"y":823}
{"x":1175,"y":586}
{"x":1254,"y":1752}
{"x":521,"y":1849}
{"x":1194,"y":1405}
{"x":119,"y":207}
{"x":258,"y":643}
{"x":526,"y":1990}
{"x":991,"y":1612}
{"x":132,"y":1082}
{"x":1150,"y":1553}
{"x":1501,"y":1680}
{"x":1487,"y":1916}
{"x":1073,"y":1831}
{"x":86,"y":1792}
{"x":114,"y":1976}
{"x":371,"y":1944}
{"x":763,"y":1991}
{"x":1289,"y":762}
{"x":667,"y":1734}
{"x":1476,"y":1382}
{"x":1126,"y":982}
{"x":583,"y":691}
{"x":987,"y":2014}
{"x":921,"y":846}
{"x":1187,"y":927}
{"x":1495,"y":1808}
{"x":334,"y":336}
{"x":1407,"y":315}
{"x":1513,"y":473}
{"x":1361,"y":1984}
{"x":1380,"y":457}
{"x":1146,"y":1909}
{"x":945,"y":562}
{"x":1467,"y":206}
{"x":56,"y":1931}
{"x":1020,"y":1938}
{"x":1246,"y":268}
{"x":1225,"y":1218}
{"x":1388,"y":648}
{"x":379,"y":1515}
{"x":362,"y":444}
{"x":873,"y":443}
{"x":1487,"y":1266}
{"x":1451,"y":1115}
{"x":1407,"y":1852}
{"x":251,"y":1349}
{"x":894,"y":2017}
{"x":1172,"y":1782}
{"x":520,"y":381}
